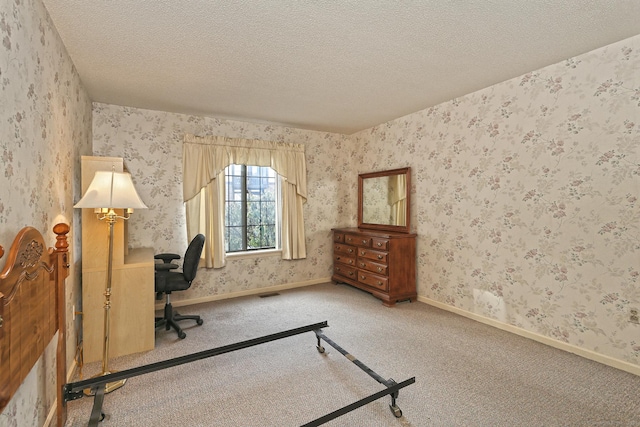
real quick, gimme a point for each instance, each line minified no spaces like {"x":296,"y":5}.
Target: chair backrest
{"x":192,"y":258}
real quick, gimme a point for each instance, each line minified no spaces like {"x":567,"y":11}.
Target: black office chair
{"x":167,"y":281}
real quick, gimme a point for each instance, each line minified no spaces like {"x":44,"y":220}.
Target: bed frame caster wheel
{"x":199,"y":322}
{"x":320,"y":349}
{"x":396,"y":411}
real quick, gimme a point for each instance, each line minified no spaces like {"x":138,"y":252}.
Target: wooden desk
{"x":132,"y":307}
{"x":132,"y":326}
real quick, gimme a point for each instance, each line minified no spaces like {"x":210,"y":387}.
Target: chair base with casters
{"x":167,"y":281}
{"x":170,"y":319}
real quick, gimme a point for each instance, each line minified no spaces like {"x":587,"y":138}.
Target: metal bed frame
{"x":96,"y":386}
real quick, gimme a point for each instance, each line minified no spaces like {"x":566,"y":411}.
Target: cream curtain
{"x":203,"y":162}
{"x":398,"y":199}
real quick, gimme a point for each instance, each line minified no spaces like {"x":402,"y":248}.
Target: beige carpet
{"x":467,"y":373}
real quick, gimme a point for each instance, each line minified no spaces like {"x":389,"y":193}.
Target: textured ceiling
{"x":338,"y":66}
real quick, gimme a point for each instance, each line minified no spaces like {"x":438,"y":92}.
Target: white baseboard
{"x":587,"y":354}
{"x":258,"y":291}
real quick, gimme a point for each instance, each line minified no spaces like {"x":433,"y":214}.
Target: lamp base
{"x":109,"y":387}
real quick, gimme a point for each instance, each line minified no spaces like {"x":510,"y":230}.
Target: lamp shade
{"x":111,"y":190}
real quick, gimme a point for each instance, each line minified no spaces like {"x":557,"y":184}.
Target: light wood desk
{"x":132,"y":327}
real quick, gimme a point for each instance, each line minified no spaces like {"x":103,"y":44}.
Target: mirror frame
{"x":387,"y":227}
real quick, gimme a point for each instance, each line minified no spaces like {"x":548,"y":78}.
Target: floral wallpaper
{"x":45,"y":125}
{"x":525,"y":199}
{"x":151,"y":144}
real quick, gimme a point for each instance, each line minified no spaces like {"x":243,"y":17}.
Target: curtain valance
{"x":204,"y":157}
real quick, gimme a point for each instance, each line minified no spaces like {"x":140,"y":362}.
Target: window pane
{"x":234,"y":214}
{"x":253,"y":196}
{"x":268,"y":212}
{"x":234,"y":239}
{"x":253,"y":185}
{"x":269,"y":236}
{"x":268,"y":186}
{"x":234,"y":170}
{"x":253,"y":213}
{"x":254,"y":237}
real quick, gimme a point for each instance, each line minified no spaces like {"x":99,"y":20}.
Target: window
{"x":251,"y":208}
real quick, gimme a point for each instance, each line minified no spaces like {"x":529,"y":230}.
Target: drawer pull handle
{"x":379,"y":283}
{"x":379,"y":244}
{"x":363,"y":277}
{"x":363,"y":253}
{"x":379,"y":269}
{"x":362,"y":264}
{"x":1,"y":321}
{"x":379,"y":256}
{"x":337,"y":258}
{"x":364,"y":242}
{"x":351,"y":273}
{"x":350,"y":261}
{"x":350,"y":251}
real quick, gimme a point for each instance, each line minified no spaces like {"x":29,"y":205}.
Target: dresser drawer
{"x":373,"y":280}
{"x":363,"y":241}
{"x":344,"y":249}
{"x":380,"y":243}
{"x":346,"y":271}
{"x":344,"y":259}
{"x":378,"y":256}
{"x":373,"y":267}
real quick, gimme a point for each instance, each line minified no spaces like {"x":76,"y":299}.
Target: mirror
{"x":384,"y":200}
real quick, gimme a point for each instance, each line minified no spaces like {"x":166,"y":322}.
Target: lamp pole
{"x":109,"y":191}
{"x":110,"y":217}
{"x":111,"y":220}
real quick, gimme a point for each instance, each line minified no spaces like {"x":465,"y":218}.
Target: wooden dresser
{"x":380,"y":262}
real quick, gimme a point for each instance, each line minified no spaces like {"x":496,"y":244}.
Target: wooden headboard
{"x":32,"y":309}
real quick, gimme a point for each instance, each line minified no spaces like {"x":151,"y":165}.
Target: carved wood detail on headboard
{"x":32,"y":305}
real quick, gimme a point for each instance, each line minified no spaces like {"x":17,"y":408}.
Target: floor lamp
{"x":109,"y":191}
